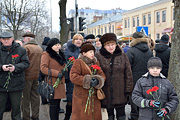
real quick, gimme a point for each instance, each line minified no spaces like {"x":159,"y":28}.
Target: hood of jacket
{"x":32,"y":42}
{"x":140,"y":43}
{"x":60,"y":58}
{"x":72,"y":47}
{"x":161,"y":47}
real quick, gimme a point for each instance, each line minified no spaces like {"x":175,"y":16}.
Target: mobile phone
{"x":8,"y":66}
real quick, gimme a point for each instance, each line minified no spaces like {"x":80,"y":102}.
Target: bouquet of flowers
{"x":91,"y":90}
{"x":155,"y":89}
{"x":69,"y":62}
{"x":14,"y":57}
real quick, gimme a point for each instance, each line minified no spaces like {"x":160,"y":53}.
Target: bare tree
{"x":174,"y":65}
{"x":65,"y":28}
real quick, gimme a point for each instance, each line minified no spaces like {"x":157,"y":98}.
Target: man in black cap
{"x":13,"y":63}
{"x":30,"y":95}
{"x":90,"y":38}
{"x":162,"y":50}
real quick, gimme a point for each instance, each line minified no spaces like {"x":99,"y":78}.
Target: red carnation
{"x":149,"y":91}
{"x":155,"y":88}
{"x":95,"y":67}
{"x":72,"y":59}
{"x":14,"y":56}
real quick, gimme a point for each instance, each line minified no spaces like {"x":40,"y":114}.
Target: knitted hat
{"x":138,"y":35}
{"x":164,"y":38}
{"x":28,"y":34}
{"x":98,"y":36}
{"x":108,"y":38}
{"x":90,"y":36}
{"x":53,"y":41}
{"x":46,"y":40}
{"x":154,"y":62}
{"x":86,"y":46}
{"x":6,"y":35}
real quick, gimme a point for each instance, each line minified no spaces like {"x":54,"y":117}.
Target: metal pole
{"x":76,"y":10}
{"x":1,"y":18}
{"x":51,"y":15}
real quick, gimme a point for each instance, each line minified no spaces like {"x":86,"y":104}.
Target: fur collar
{"x":32,"y":42}
{"x":106,"y":54}
{"x":87,"y":60}
{"x":58,"y":57}
{"x":161,"y":75}
{"x":137,"y":41}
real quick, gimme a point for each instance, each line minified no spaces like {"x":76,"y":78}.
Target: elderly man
{"x":30,"y":96}
{"x":13,"y":63}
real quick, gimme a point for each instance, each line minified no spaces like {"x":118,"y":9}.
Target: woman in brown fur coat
{"x":118,"y":84}
{"x":82,"y":80}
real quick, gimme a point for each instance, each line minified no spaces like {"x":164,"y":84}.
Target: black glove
{"x":94,"y":82}
{"x":60,"y":76}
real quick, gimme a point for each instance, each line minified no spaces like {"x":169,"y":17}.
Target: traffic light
{"x":81,"y":23}
{"x":71,"y":20}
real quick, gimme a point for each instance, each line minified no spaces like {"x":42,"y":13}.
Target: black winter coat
{"x":21,"y":64}
{"x":168,"y":97}
{"x":163,"y":52}
{"x":70,"y":51}
{"x":138,"y":55}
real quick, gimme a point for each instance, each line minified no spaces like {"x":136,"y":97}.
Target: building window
{"x":157,"y":17}
{"x":95,"y":31}
{"x":105,"y":30}
{"x":125,"y":23}
{"x":173,"y":14}
{"x":133,"y":22}
{"x":128,"y":23}
{"x":157,"y":36}
{"x":164,"y":16}
{"x":144,"y":19}
{"x":98,"y":31}
{"x":110,"y":29}
{"x":149,"y":18}
{"x":137,"y":21}
{"x":101,"y":31}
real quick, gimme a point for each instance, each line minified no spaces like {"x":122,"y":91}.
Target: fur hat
{"x":6,"y":35}
{"x":86,"y":46}
{"x":138,"y":35}
{"x":46,"y":40}
{"x":28,"y":34}
{"x":53,"y":41}
{"x":154,"y":62}
{"x":107,"y":38}
{"x":90,"y":36}
{"x":164,"y":38}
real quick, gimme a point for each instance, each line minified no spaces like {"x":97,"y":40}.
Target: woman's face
{"x":98,"y":43}
{"x":110,"y":47}
{"x":56,"y":47}
{"x":78,"y":42}
{"x":89,"y":54}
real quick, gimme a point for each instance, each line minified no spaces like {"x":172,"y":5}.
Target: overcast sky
{"x":96,"y":4}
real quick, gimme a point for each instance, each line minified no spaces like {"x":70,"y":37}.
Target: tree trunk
{"x":174,"y":64}
{"x":65,"y":28}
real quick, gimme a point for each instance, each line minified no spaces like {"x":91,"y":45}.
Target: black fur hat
{"x":53,"y":41}
{"x":154,"y":62}
{"x":108,"y":37}
{"x":86,"y":46}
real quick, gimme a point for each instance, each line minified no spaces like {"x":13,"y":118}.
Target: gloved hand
{"x":154,"y":103}
{"x":60,"y":76}
{"x":94,"y":82}
{"x":163,"y":112}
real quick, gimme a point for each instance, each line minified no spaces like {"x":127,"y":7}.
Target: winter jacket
{"x":168,"y":97}
{"x":70,"y":51}
{"x":81,"y":78}
{"x":34,"y":52}
{"x":126,"y":48}
{"x":118,"y":83}
{"x":163,"y":52}
{"x":138,"y":55}
{"x":21,"y":64}
{"x":56,"y":62}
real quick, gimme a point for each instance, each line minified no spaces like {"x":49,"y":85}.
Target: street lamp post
{"x":76,"y":14}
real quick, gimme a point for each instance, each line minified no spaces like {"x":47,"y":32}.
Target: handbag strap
{"x":49,"y":76}
{"x":87,"y":67}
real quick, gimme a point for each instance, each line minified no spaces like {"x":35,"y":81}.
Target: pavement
{"x":44,"y":112}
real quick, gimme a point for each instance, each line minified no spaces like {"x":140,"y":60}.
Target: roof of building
{"x":146,"y":6}
{"x":106,"y":21}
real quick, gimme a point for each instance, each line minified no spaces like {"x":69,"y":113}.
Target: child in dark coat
{"x":154,"y":94}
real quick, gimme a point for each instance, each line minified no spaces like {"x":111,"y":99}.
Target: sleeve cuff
{"x":168,"y":109}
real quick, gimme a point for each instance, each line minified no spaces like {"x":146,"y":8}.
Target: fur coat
{"x":81,"y":78}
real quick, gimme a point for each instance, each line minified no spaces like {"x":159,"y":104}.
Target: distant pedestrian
{"x":53,"y":59}
{"x":138,"y":55}
{"x":73,"y":49}
{"x":163,"y":103}
{"x":162,"y":50}
{"x":90,"y":38}
{"x":14,"y":60}
{"x":118,"y":84}
{"x":98,"y":44}
{"x":30,"y":96}
{"x":125,"y":49}
{"x":83,"y":81}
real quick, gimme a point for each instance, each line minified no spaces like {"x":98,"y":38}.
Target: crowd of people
{"x":134,"y":73}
